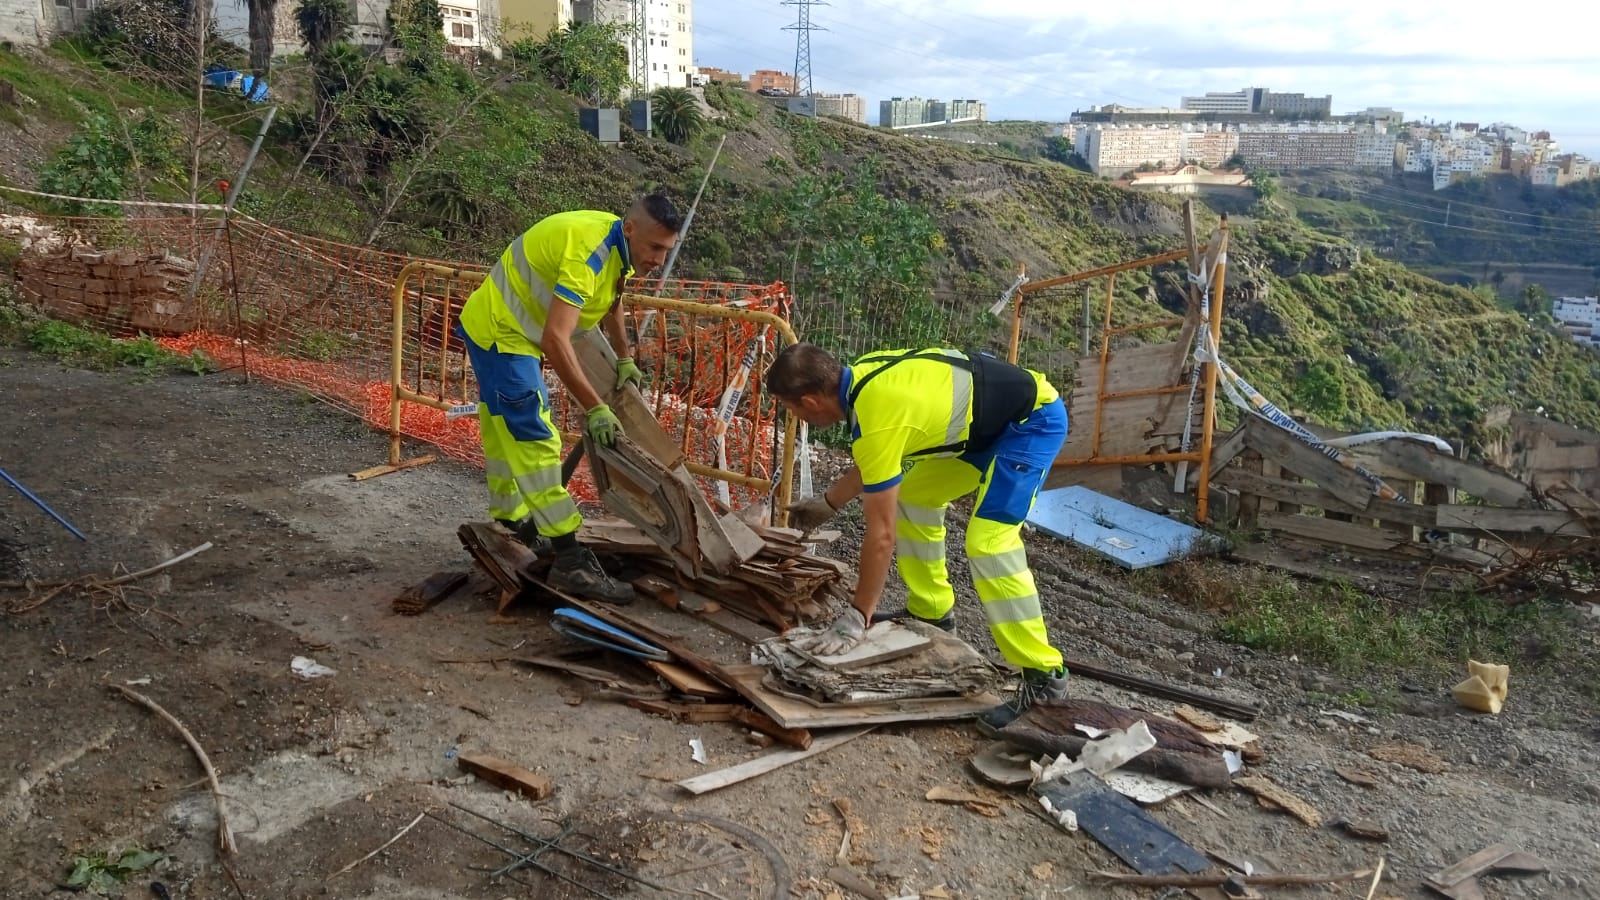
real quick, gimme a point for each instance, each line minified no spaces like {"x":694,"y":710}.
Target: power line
{"x":1385,"y":191}
{"x":1592,"y":231}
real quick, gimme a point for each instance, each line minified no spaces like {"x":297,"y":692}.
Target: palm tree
{"x":262,"y":16}
{"x":676,"y":114}
{"x":323,"y":23}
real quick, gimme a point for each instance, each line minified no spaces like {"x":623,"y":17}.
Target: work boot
{"x":528,"y":533}
{"x":945,"y":623}
{"x":1037,"y":686}
{"x":576,"y":571}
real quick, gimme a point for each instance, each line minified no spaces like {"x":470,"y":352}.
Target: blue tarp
{"x":246,"y":86}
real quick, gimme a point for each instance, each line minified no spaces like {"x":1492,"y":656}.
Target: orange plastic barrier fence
{"x":319,"y":315}
{"x":695,"y":340}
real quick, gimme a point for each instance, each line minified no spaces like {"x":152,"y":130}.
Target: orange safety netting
{"x":319,"y":315}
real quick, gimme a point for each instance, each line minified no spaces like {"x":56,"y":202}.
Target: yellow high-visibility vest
{"x":579,"y":257}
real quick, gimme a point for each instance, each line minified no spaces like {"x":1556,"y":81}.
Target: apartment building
{"x":723,"y":76}
{"x":1316,"y":147}
{"x":467,"y":30}
{"x":844,"y":106}
{"x":773,"y":79}
{"x":1211,"y":147}
{"x":900,"y":112}
{"x":1579,"y":317}
{"x":513,"y":20}
{"x":1115,"y":149}
{"x":1260,"y":101}
{"x":952,"y":110}
{"x":669,"y":35}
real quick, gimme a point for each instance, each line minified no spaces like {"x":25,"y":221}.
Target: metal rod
{"x":527,"y":858}
{"x":1135,"y":460}
{"x":1208,"y":426}
{"x":672,"y":257}
{"x":1159,"y":258}
{"x":233,"y":196}
{"x":582,"y":857}
{"x":1105,"y":365}
{"x":41,"y":504}
{"x":515,"y":855}
{"x":1016,"y":318}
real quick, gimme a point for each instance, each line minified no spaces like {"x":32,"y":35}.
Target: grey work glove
{"x":842,"y":636}
{"x":811,"y":513}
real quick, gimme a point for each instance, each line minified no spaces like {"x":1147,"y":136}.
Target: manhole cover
{"x":708,"y":856}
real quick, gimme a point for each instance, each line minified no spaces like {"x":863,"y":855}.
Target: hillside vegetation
{"x":887,"y":238}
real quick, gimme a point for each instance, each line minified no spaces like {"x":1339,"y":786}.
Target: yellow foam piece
{"x":1485,"y":688}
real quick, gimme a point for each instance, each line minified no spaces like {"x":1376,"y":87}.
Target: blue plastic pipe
{"x":41,"y":504}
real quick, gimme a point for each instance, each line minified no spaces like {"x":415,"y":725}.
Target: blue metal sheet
{"x":1124,"y":533}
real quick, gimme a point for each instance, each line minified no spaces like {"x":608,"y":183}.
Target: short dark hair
{"x":660,"y":208}
{"x":803,"y":369}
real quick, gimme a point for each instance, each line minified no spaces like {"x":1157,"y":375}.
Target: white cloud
{"x":1034,"y":60}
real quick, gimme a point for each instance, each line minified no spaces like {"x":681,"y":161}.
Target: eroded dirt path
{"x":317,"y":773}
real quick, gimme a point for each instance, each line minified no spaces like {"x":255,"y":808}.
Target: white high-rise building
{"x":669,"y":36}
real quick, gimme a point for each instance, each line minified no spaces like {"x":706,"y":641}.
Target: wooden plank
{"x":1344,"y":533}
{"x":1454,"y":517}
{"x":1302,"y":494}
{"x":1434,"y":467}
{"x":1225,"y":452}
{"x":791,"y":712}
{"x":1278,"y":445}
{"x":599,"y":364}
{"x":688,"y":681}
{"x":754,"y":719}
{"x":770,"y":762}
{"x":507,"y":775}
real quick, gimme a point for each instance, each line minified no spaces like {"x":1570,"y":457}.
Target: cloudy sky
{"x":1427,"y":58}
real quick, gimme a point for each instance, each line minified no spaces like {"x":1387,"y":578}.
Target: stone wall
{"x":121,"y":291}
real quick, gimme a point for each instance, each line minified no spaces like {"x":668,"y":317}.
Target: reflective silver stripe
{"x":497,"y":468}
{"x":537,"y":290}
{"x":528,"y":482}
{"x":556,"y":513}
{"x":922,"y":516}
{"x":1000,"y":565}
{"x":923,"y":551}
{"x":1017,"y":609}
{"x":960,"y":403}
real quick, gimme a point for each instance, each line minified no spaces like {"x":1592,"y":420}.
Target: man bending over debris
{"x":561,"y":276}
{"x":926,"y":427}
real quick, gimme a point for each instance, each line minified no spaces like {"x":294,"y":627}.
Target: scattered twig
{"x":397,"y":836}
{"x":224,"y":832}
{"x":91,"y":583}
{"x":1377,"y":876}
{"x":1188,"y":881}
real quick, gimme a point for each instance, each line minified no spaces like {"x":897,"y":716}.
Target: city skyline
{"x":1424,"y":59}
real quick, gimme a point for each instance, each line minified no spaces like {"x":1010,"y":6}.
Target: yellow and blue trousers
{"x":521,"y":446}
{"x":1007,"y":476}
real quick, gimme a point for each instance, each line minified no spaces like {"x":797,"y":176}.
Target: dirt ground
{"x":318,"y":773}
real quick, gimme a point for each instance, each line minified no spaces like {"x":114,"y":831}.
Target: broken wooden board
{"x":1412,"y":756}
{"x":636,"y":487}
{"x":1120,"y":825}
{"x":434,"y":589}
{"x":761,"y":765}
{"x":736,"y":713}
{"x":1181,"y":753}
{"x":1121,"y":532}
{"x":1460,"y":881}
{"x":1429,"y":465}
{"x":884,"y":641}
{"x":1281,"y":797}
{"x":791,"y":712}
{"x":781,"y":586}
{"x":1288,"y":451}
{"x":722,"y":544}
{"x":507,"y":775}
{"x":688,"y":681}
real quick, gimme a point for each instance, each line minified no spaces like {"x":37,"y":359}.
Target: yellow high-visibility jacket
{"x":579,"y":257}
